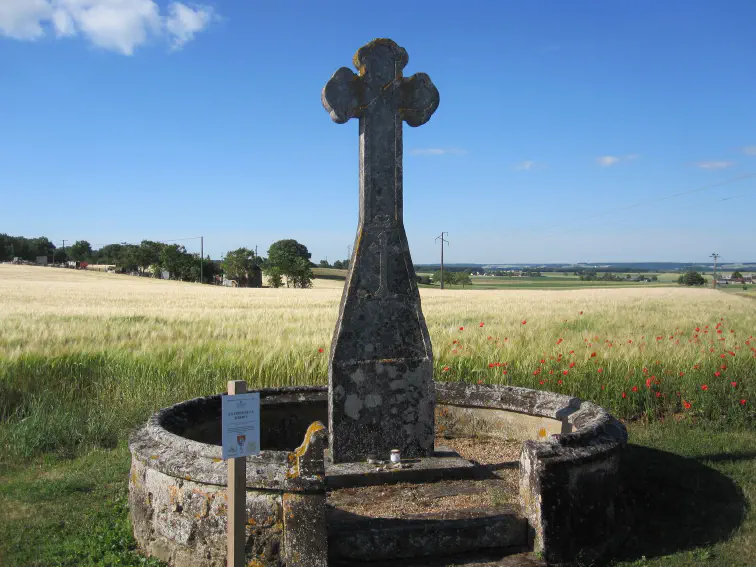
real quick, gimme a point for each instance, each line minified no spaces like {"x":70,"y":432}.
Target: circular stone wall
{"x":568,"y":473}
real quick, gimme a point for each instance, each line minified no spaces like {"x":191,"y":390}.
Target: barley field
{"x":86,"y":356}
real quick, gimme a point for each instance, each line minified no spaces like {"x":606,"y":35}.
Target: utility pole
{"x":202,"y":257}
{"x":441,"y":237}
{"x":715,"y":256}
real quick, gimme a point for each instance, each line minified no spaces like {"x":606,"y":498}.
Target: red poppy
{"x":658,"y":394}
{"x":524,"y":321}
{"x":686,"y":404}
{"x":602,"y":387}
{"x":481,"y":324}
{"x":320,"y":350}
{"x":461,"y":328}
{"x":480,"y":381}
{"x":723,"y":367}
{"x":634,"y":388}
{"x":559,"y":341}
{"x":541,"y":382}
{"x":559,"y":382}
{"x":572,"y":352}
{"x":543,"y":360}
{"x":698,"y":329}
{"x":682,"y":374}
{"x":742,"y":402}
{"x":717,"y":374}
{"x":734,"y":384}
{"x":446,"y":369}
{"x":624,"y":395}
{"x":581,"y":313}
{"x":565,"y":372}
{"x":648,"y":382}
{"x":600,"y":370}
{"x":704,"y":387}
{"x":572,"y":365}
{"x":503,"y":371}
{"x":489,"y":337}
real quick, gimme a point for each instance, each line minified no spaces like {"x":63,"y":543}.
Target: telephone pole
{"x":715,"y":256}
{"x":441,"y":237}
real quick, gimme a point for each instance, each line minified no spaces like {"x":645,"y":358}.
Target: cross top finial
{"x":380,"y":65}
{"x":381,"y":59}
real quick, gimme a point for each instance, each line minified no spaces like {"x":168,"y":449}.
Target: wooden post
{"x":237,"y":496}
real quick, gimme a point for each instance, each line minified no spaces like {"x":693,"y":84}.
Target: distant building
{"x":252,"y":279}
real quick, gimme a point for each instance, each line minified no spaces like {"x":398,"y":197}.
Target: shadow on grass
{"x":677,"y":503}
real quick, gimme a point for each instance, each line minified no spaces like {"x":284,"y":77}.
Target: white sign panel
{"x":241,"y":425}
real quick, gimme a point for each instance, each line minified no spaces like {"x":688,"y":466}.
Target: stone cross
{"x":380,"y":372}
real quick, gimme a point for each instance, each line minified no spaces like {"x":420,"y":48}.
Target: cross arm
{"x":341,"y":95}
{"x":419,"y":99}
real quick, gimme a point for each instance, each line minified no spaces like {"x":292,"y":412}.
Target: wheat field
{"x":84,"y":356}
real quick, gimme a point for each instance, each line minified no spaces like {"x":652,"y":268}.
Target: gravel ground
{"x":400,"y":500}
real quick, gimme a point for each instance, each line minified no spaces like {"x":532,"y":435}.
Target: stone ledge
{"x":445,"y":464}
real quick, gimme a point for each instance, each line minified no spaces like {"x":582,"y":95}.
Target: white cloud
{"x":525,"y":165}
{"x":183,"y":22}
{"x":606,"y":161}
{"x":750,"y":150}
{"x":20,"y":19}
{"x":437,"y":151}
{"x":715,"y":164}
{"x":118,"y":25}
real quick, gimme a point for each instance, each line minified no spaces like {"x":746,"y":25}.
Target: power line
{"x":616,"y":222}
{"x":660,"y":199}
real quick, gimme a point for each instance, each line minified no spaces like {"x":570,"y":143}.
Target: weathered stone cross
{"x":380,"y":376}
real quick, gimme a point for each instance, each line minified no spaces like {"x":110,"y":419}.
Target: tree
{"x":463,"y":279}
{"x":291,"y":259}
{"x":736,"y":275}
{"x":691,"y":278}
{"x":80,"y":250}
{"x":148,"y":254}
{"x":302,"y":276}
{"x":172,"y":260}
{"x":274,"y":277}
{"x":239,"y":265}
{"x":324,"y":264}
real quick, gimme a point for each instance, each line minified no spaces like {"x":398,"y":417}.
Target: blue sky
{"x":126,"y":120}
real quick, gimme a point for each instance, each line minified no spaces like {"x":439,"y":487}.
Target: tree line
{"x":288,"y":262}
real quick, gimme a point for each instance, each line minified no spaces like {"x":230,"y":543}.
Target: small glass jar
{"x":395,"y":456}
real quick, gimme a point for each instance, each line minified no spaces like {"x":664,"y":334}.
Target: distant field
{"x":330,"y":273}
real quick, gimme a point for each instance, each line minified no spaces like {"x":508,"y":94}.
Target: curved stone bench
{"x":569,"y":463}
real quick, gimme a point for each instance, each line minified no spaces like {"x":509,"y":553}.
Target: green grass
{"x":73,"y":513}
{"x":690,"y":491}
